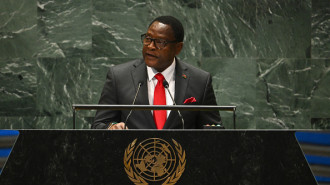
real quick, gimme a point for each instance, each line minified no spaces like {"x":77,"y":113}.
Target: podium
{"x":188,"y":157}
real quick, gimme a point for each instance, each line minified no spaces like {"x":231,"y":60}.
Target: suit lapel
{"x":181,"y":84}
{"x":139,"y":74}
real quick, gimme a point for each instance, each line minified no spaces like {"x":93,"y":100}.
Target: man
{"x":162,"y":42}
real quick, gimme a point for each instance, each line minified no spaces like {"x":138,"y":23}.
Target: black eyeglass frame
{"x":144,"y":36}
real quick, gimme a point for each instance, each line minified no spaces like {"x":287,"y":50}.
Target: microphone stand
{"x":130,"y":112}
{"x":165,"y":83}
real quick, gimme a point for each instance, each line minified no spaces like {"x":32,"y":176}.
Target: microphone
{"x":165,"y":84}
{"x":130,"y":112}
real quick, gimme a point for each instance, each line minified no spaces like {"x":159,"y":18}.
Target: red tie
{"x":160,"y":99}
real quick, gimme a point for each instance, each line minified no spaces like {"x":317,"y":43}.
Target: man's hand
{"x":118,"y":126}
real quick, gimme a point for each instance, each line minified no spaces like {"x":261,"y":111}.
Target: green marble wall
{"x":269,"y":58}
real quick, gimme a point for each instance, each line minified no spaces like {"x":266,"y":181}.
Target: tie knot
{"x":159,"y":77}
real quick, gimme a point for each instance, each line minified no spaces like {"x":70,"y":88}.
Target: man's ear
{"x":178,"y":48}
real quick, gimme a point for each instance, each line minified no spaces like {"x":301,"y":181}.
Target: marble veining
{"x":269,"y":58}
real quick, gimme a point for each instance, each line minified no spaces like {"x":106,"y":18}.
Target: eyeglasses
{"x":159,"y":43}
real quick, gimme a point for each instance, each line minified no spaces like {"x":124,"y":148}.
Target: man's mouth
{"x":151,"y":55}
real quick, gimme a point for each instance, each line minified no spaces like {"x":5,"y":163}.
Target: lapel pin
{"x":184,"y":76}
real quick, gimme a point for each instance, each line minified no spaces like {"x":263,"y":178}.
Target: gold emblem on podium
{"x":154,"y":160}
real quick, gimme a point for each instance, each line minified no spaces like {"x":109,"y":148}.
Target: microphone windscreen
{"x":165,"y":83}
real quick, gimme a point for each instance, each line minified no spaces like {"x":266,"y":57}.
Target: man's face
{"x":160,"y":59}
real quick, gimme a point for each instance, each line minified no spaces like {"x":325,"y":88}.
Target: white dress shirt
{"x":169,"y":75}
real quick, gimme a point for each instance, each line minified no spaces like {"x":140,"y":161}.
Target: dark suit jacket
{"x":122,"y":83}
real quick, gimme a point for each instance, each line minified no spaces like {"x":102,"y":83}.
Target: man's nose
{"x":152,"y":45}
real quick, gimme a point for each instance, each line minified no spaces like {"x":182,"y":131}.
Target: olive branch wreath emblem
{"x":137,"y":180}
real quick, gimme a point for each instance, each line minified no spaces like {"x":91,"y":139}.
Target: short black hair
{"x":175,"y":25}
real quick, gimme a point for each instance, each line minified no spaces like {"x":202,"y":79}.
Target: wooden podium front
{"x":188,"y":157}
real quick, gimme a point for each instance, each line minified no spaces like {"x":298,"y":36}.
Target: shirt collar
{"x":168,"y":73}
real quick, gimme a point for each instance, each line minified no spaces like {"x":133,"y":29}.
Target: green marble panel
{"x":18,"y":122}
{"x":18,"y":86}
{"x":188,"y":12}
{"x":117,"y":26}
{"x":18,"y":25}
{"x":283,"y":96}
{"x":228,"y":28}
{"x":195,"y":61}
{"x":211,"y":28}
{"x":61,"y":122}
{"x":45,"y":122}
{"x":320,"y":29}
{"x":234,"y":40}
{"x":64,"y":28}
{"x":321,"y":88}
{"x":284,"y":29}
{"x":320,"y":123}
{"x":234,"y":84}
{"x":61,"y":83}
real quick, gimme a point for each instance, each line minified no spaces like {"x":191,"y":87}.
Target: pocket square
{"x":190,"y":100}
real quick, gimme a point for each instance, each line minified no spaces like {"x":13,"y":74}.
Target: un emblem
{"x":154,"y":160}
